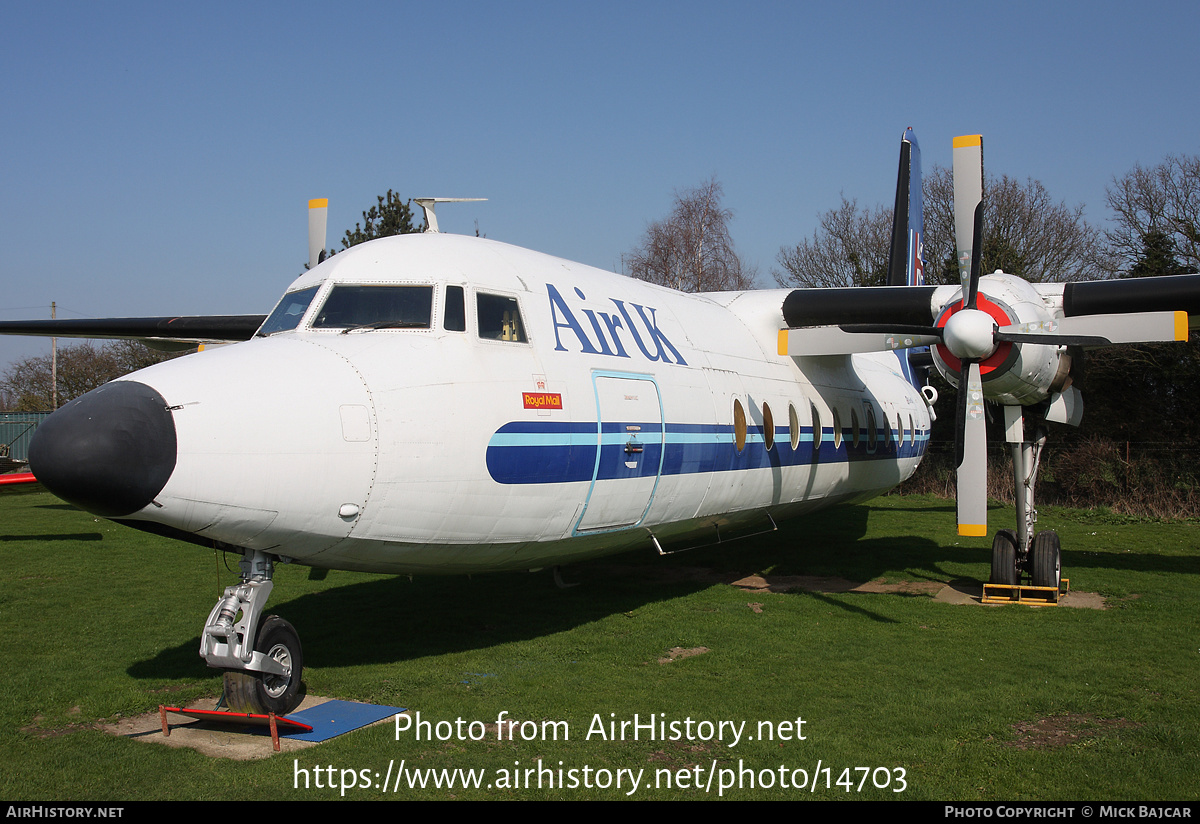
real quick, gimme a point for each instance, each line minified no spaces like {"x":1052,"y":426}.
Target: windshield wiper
{"x":386,"y":324}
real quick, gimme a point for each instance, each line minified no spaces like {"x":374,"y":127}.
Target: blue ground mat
{"x":334,"y":718}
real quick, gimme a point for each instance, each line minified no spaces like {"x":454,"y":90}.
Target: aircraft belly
{"x":418,"y":558}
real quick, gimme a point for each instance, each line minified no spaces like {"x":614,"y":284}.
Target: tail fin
{"x":906,"y":261}
{"x":906,"y":264}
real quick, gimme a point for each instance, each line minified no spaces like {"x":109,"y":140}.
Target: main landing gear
{"x":263,"y":661}
{"x":1014,"y":552}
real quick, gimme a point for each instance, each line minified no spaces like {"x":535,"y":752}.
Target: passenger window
{"x":739,"y":425}
{"x":768,"y":427}
{"x":837,"y":429}
{"x":499,"y":318}
{"x":793,"y":427}
{"x":855,"y":428}
{"x":455,"y":317}
{"x":818,"y":432}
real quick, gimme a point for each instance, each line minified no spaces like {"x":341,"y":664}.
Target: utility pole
{"x":53,"y":362}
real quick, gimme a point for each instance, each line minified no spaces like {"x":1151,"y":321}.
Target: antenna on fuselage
{"x":428,"y":204}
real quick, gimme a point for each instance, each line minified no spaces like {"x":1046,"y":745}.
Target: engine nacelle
{"x":1014,"y":373}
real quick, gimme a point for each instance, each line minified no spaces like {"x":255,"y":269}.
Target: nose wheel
{"x":267,"y":692}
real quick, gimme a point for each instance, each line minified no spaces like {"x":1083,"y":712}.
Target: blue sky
{"x":157,"y":158}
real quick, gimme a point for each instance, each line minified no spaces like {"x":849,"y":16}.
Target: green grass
{"x":99,"y":621}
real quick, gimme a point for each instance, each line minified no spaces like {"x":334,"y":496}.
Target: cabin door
{"x":629,"y":436}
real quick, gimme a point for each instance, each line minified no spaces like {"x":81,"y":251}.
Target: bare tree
{"x":1052,"y":240}
{"x":1163,"y":200}
{"x":26,"y":385}
{"x":1026,"y":233}
{"x":691,"y":250}
{"x":849,"y":248}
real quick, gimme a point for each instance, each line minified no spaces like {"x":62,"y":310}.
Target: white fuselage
{"x":610,"y":413}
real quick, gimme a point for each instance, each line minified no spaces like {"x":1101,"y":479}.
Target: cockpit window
{"x":288,"y":313}
{"x":455,"y":318}
{"x":376,"y":307}
{"x":499,"y":318}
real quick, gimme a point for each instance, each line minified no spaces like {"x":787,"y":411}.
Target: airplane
{"x":435,"y":404}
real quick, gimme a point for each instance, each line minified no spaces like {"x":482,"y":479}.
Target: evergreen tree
{"x":391,"y":216}
{"x":1158,"y":257}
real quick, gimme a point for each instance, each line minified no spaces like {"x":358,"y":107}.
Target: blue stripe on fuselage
{"x":527,"y":452}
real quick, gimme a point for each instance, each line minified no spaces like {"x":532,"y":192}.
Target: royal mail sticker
{"x":542,"y":400}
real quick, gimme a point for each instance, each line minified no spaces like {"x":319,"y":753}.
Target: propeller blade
{"x":1090,"y":341}
{"x":893,"y":328}
{"x":1101,"y":330}
{"x":853,"y":339}
{"x":971,"y":450}
{"x":968,"y":193}
{"x":971,"y":296}
{"x":318,"y":209}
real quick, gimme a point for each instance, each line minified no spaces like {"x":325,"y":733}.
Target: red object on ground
{"x":18,"y":478}
{"x":274,"y":721}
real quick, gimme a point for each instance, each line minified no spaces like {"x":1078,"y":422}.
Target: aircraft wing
{"x":182,"y":329}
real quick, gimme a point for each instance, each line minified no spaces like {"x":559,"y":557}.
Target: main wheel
{"x":267,"y":692}
{"x":1045,"y":564}
{"x":1004,"y":558}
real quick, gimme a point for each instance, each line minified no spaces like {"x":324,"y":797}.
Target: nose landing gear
{"x":263,"y":662}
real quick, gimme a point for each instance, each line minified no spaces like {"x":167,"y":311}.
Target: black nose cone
{"x":110,"y":451}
